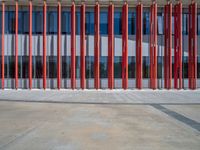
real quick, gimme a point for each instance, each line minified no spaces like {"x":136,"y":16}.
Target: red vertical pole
{"x":189,"y":48}
{"x":111,"y":46}
{"x":125,"y":46}
{"x":96,"y":47}
{"x":2,"y":45}
{"x":30,"y":44}
{"x":178,"y":46}
{"x":73,"y":46}
{"x":16,"y":44}
{"x":165,"y":47}
{"x":82,"y":42}
{"x":139,"y":10}
{"x":58,"y":44}
{"x":153,"y":46}
{"x":192,"y":50}
{"x":168,"y":45}
{"x":44,"y":44}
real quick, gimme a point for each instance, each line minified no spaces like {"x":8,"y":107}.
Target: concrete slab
{"x":82,"y":126}
{"x":102,"y":119}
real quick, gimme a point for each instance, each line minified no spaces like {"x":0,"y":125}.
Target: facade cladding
{"x":79,"y":46}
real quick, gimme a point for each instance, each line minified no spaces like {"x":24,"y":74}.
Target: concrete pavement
{"x":76,"y":120}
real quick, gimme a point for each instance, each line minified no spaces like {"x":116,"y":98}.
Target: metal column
{"x":44,"y":44}
{"x":178,"y":46}
{"x":153,"y":46}
{"x":139,"y":10}
{"x":30,"y":44}
{"x":16,"y":44}
{"x":192,"y":49}
{"x":111,"y":46}
{"x":73,"y":46}
{"x":96,"y":47}
{"x":82,"y":46}
{"x":2,"y":45}
{"x":125,"y":46}
{"x":58,"y":44}
{"x":168,"y":45}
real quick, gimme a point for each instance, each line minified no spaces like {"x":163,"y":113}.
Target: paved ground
{"x":99,"y":120}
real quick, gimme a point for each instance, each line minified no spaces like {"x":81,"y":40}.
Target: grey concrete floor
{"x":76,"y":120}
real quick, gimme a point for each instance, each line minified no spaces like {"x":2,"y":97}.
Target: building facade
{"x":99,"y":44}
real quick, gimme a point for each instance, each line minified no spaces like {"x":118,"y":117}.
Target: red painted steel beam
{"x":139,"y":10}
{"x":82,"y":46}
{"x":125,"y":46}
{"x":30,"y":44}
{"x":16,"y":45}
{"x":44,"y":43}
{"x":192,"y":49}
{"x":178,"y":46}
{"x":96,"y":46}
{"x":111,"y":46}
{"x":73,"y":46}
{"x":2,"y":45}
{"x":58,"y":45}
{"x":153,"y":46}
{"x":168,"y":46}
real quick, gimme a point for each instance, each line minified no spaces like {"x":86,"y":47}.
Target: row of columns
{"x":192,"y":49}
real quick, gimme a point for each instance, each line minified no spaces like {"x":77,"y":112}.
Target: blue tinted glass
{"x":25,"y":22}
{"x":103,"y":23}
{"x":131,"y":23}
{"x":89,"y":23}
{"x":9,"y":22}
{"x":198,"y":24}
{"x":37,"y":22}
{"x":117,"y":23}
{"x":51,"y":22}
{"x":66,"y":22}
{"x":146,"y":23}
{"x":78,"y":21}
{"x":20,"y":30}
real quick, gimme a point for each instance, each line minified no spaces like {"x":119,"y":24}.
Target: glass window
{"x":89,"y":23}
{"x":89,"y":67}
{"x":103,"y":67}
{"x":20,"y":22}
{"x":66,"y":22}
{"x":160,"y":24}
{"x":78,"y":66}
{"x":159,"y":68}
{"x":51,"y":22}
{"x":198,"y":24}
{"x":37,"y":67}
{"x":37,"y":22}
{"x":78,"y":23}
{"x":185,"y":24}
{"x":66,"y":66}
{"x":9,"y":22}
{"x":146,"y":65}
{"x":104,"y":23}
{"x":185,"y":67}
{"x":117,"y":67}
{"x":131,"y":23}
{"x":117,"y":23}
{"x":131,"y":67}
{"x":9,"y":66}
{"x":25,"y":66}
{"x":52,"y":66}
{"x":146,"y":23}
